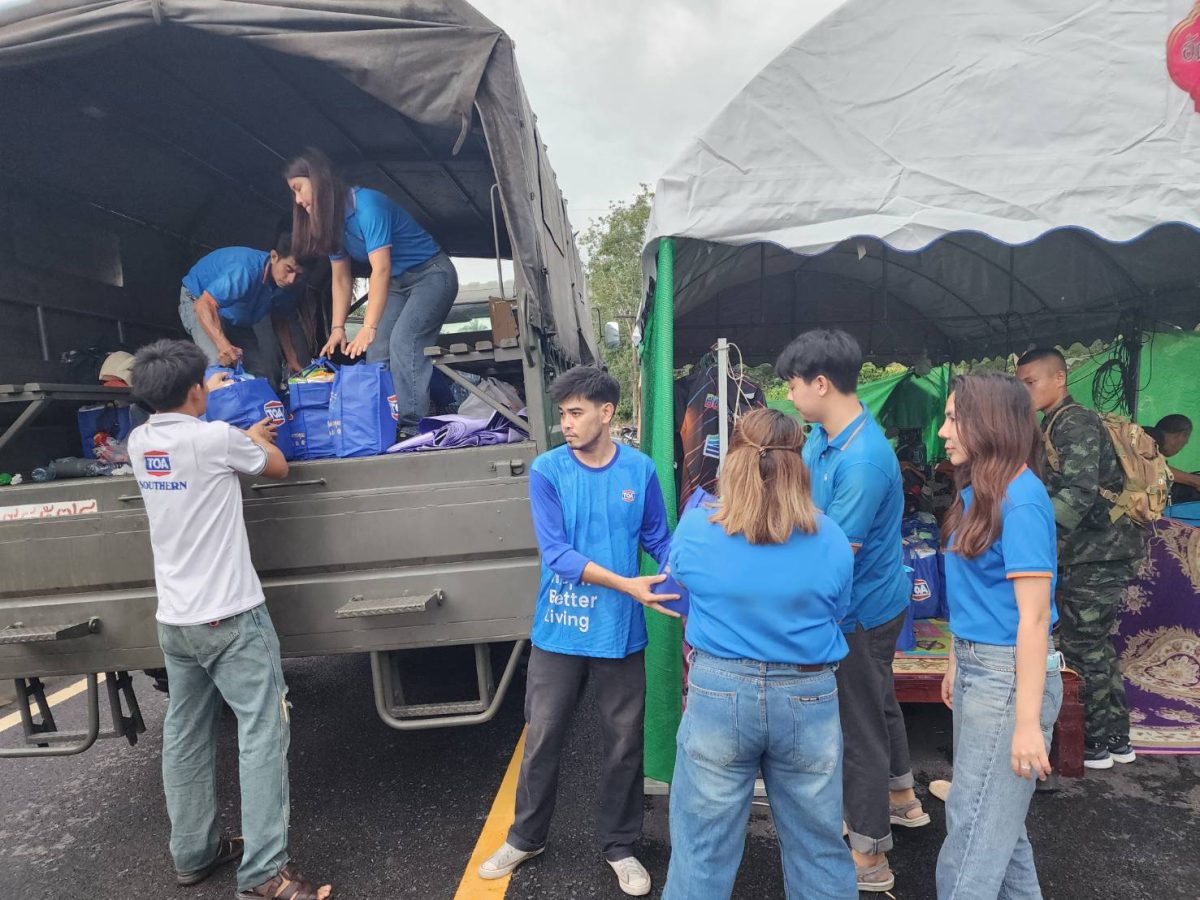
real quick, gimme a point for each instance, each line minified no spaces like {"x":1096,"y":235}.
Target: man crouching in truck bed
{"x":213,"y":625}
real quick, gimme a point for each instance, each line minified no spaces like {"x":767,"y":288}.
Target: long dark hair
{"x":319,"y":233}
{"x":998,"y":432}
{"x":764,"y":487}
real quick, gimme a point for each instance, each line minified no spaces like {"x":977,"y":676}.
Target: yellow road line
{"x":54,"y":699}
{"x":495,"y":830}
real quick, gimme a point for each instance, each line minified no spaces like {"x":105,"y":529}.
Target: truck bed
{"x":446,"y":534}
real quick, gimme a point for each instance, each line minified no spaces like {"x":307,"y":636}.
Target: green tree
{"x":613,"y":246}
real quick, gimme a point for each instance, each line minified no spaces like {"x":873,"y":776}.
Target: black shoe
{"x":1096,"y":755}
{"x":1120,"y":749}
{"x":228,"y":850}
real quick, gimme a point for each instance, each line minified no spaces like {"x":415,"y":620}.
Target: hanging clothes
{"x":697,"y":422}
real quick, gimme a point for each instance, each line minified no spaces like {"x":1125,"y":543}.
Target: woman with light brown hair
{"x":1003,"y":683}
{"x":769,"y":576}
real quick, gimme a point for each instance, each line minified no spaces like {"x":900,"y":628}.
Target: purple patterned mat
{"x":1158,"y":641}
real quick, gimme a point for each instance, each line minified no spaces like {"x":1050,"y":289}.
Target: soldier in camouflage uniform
{"x":1097,"y":558}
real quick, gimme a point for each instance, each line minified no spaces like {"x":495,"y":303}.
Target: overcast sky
{"x":619,"y":86}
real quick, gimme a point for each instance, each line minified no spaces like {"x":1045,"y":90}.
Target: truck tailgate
{"x":450,"y":525}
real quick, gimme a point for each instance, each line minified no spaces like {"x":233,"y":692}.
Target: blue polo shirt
{"x":239,"y":279}
{"x":602,"y":515}
{"x":374,"y":221}
{"x":746,"y":601}
{"x":983,"y":605}
{"x":856,"y":482}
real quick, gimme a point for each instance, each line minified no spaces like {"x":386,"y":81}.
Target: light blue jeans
{"x":235,"y":660}
{"x":743,"y":716}
{"x":987,"y":854}
{"x":418,"y":303}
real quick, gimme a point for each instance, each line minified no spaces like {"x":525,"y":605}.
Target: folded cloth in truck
{"x":452,"y":432}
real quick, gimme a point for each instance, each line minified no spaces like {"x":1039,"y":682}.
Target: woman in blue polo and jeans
{"x":769,"y":577}
{"x":1003,"y":682}
{"x":413,"y":282}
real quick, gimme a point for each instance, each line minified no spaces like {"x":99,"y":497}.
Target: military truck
{"x":138,"y":137}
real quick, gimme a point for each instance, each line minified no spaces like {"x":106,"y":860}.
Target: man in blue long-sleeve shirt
{"x":594,"y":503}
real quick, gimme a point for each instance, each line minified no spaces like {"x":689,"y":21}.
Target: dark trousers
{"x":553,"y":689}
{"x":875,"y":758}
{"x":1089,"y":596}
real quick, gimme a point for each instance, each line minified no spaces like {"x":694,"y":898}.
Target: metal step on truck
{"x":136,"y":138}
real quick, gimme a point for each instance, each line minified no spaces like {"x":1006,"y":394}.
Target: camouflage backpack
{"x":1147,"y":488}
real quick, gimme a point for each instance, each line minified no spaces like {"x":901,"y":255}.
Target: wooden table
{"x":919,"y":680}
{"x":37,"y":396}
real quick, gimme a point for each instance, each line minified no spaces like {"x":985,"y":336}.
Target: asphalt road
{"x":384,"y":814}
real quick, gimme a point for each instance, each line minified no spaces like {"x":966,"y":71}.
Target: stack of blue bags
{"x":923,"y":559}
{"x":347,"y":411}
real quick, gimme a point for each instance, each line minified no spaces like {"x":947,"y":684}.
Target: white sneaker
{"x":632,"y":877}
{"x":504,"y":860}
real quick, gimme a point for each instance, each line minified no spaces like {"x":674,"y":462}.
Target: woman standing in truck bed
{"x":413,"y":282}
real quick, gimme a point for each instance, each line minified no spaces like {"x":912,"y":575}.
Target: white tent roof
{"x":957,"y":179}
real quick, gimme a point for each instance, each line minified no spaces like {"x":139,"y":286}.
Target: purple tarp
{"x":452,"y":432}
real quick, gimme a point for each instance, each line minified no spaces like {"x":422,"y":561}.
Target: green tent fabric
{"x":914,"y":401}
{"x":904,"y":400}
{"x":1169,"y":383}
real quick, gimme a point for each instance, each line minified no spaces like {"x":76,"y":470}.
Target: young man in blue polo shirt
{"x":227,"y":293}
{"x":856,"y":482}
{"x":594,"y":502}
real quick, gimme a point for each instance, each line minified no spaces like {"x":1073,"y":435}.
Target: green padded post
{"x":664,"y":663}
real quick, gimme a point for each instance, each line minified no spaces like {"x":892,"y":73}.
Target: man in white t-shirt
{"x":216,"y":635}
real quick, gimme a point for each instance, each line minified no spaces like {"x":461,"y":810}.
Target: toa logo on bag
{"x":921,"y":590}
{"x":273,"y":409}
{"x":394,"y":406}
{"x":158,"y":463}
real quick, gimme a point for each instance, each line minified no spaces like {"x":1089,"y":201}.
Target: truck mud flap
{"x":396,"y":713}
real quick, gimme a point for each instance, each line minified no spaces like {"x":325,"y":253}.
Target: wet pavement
{"x":385,"y":814}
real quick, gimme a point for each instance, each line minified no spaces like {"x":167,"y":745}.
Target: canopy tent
{"x":140,"y":133}
{"x":947,"y":182}
{"x":956,"y":182}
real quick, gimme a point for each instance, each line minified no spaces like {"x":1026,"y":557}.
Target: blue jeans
{"x":235,"y":660}
{"x":987,"y":854}
{"x":418,"y":303}
{"x":743,"y":716}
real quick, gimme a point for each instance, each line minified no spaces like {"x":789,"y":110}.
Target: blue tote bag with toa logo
{"x":247,"y":401}
{"x":308,"y":408}
{"x":362,"y":410}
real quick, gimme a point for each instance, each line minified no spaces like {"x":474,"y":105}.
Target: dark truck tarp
{"x":172,"y":119}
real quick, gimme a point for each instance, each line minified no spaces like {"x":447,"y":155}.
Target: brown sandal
{"x":228,"y":850}
{"x":287,"y":885}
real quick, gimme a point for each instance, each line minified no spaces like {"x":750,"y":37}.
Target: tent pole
{"x":722,"y":400}
{"x":662,"y":412}
{"x":664,"y":653}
